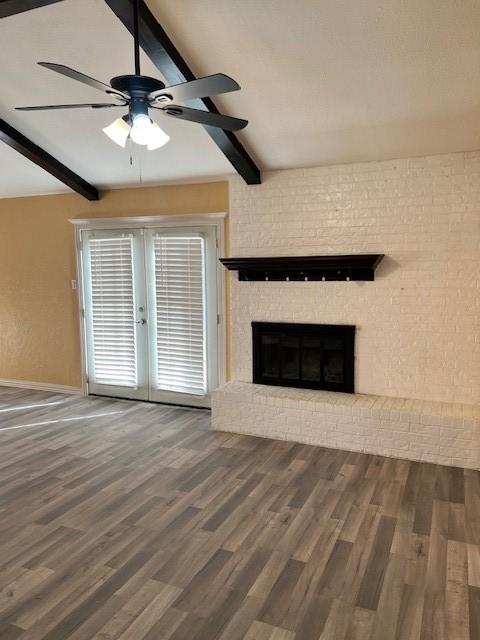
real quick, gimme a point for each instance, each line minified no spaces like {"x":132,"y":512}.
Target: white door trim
{"x":164,"y":220}
{"x":215,"y":219}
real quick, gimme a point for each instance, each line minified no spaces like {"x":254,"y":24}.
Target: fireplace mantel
{"x":306,"y":268}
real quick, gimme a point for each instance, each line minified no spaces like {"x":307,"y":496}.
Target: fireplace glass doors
{"x":308,"y":356}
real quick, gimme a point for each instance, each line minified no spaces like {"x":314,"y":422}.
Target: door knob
{"x":142,"y":321}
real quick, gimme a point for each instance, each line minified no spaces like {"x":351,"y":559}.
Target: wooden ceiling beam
{"x":172,"y":66}
{"x":12,"y":7}
{"x":40,"y":157}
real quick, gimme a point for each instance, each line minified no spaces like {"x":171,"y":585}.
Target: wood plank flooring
{"x":135,"y":521}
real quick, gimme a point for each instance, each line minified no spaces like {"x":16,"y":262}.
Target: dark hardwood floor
{"x":135,"y":521}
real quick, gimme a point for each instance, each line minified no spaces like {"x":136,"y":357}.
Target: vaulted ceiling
{"x":322,"y":82}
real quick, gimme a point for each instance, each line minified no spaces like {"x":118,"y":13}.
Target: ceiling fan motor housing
{"x":136,"y":86}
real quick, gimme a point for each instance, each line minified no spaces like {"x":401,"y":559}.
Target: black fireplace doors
{"x":308,"y":356}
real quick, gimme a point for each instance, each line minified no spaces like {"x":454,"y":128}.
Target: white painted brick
{"x":418,"y":323}
{"x":339,"y":421}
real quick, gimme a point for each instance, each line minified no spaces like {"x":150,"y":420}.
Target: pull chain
{"x":135,"y":156}
{"x":129,"y":142}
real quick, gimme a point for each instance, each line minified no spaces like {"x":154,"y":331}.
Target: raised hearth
{"x":438,"y":432}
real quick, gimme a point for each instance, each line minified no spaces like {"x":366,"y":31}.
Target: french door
{"x":150,"y":313}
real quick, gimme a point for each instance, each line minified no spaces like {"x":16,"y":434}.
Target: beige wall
{"x":39,"y":329}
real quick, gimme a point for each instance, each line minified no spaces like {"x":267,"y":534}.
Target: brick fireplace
{"x":416,"y":338}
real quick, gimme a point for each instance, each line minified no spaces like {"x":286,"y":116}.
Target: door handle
{"x":142,"y":321}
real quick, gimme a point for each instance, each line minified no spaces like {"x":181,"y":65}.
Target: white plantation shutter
{"x":179,"y":263}
{"x":112,"y":312}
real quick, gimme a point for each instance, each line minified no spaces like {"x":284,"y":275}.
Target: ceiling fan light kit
{"x":143,"y":132}
{"x":141,"y":93}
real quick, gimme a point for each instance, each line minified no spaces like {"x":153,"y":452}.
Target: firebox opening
{"x":308,"y":356}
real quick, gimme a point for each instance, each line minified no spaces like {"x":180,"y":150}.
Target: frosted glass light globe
{"x":141,"y":129}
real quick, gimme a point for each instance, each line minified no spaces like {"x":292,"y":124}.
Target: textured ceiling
{"x":329,"y":81}
{"x":322,"y":82}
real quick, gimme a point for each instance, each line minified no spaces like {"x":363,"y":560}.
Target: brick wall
{"x":418,"y":323}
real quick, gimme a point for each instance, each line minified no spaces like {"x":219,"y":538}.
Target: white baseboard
{"x":41,"y":386}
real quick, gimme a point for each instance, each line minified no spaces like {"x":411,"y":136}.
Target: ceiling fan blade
{"x":81,"y":77}
{"x":201,"y":88}
{"x":205,"y":117}
{"x":49,"y":107}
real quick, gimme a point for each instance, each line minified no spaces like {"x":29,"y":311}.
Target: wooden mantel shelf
{"x":304,"y":268}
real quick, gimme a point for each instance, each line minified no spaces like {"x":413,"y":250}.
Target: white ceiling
{"x":333,"y":81}
{"x":323,"y":81}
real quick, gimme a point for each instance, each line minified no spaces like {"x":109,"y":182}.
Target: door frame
{"x":214,"y":219}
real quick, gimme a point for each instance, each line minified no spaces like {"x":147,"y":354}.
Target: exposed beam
{"x":168,"y":60}
{"x":12,"y":7}
{"x":37,"y":155}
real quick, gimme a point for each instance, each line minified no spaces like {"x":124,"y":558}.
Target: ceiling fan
{"x":140,"y":93}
